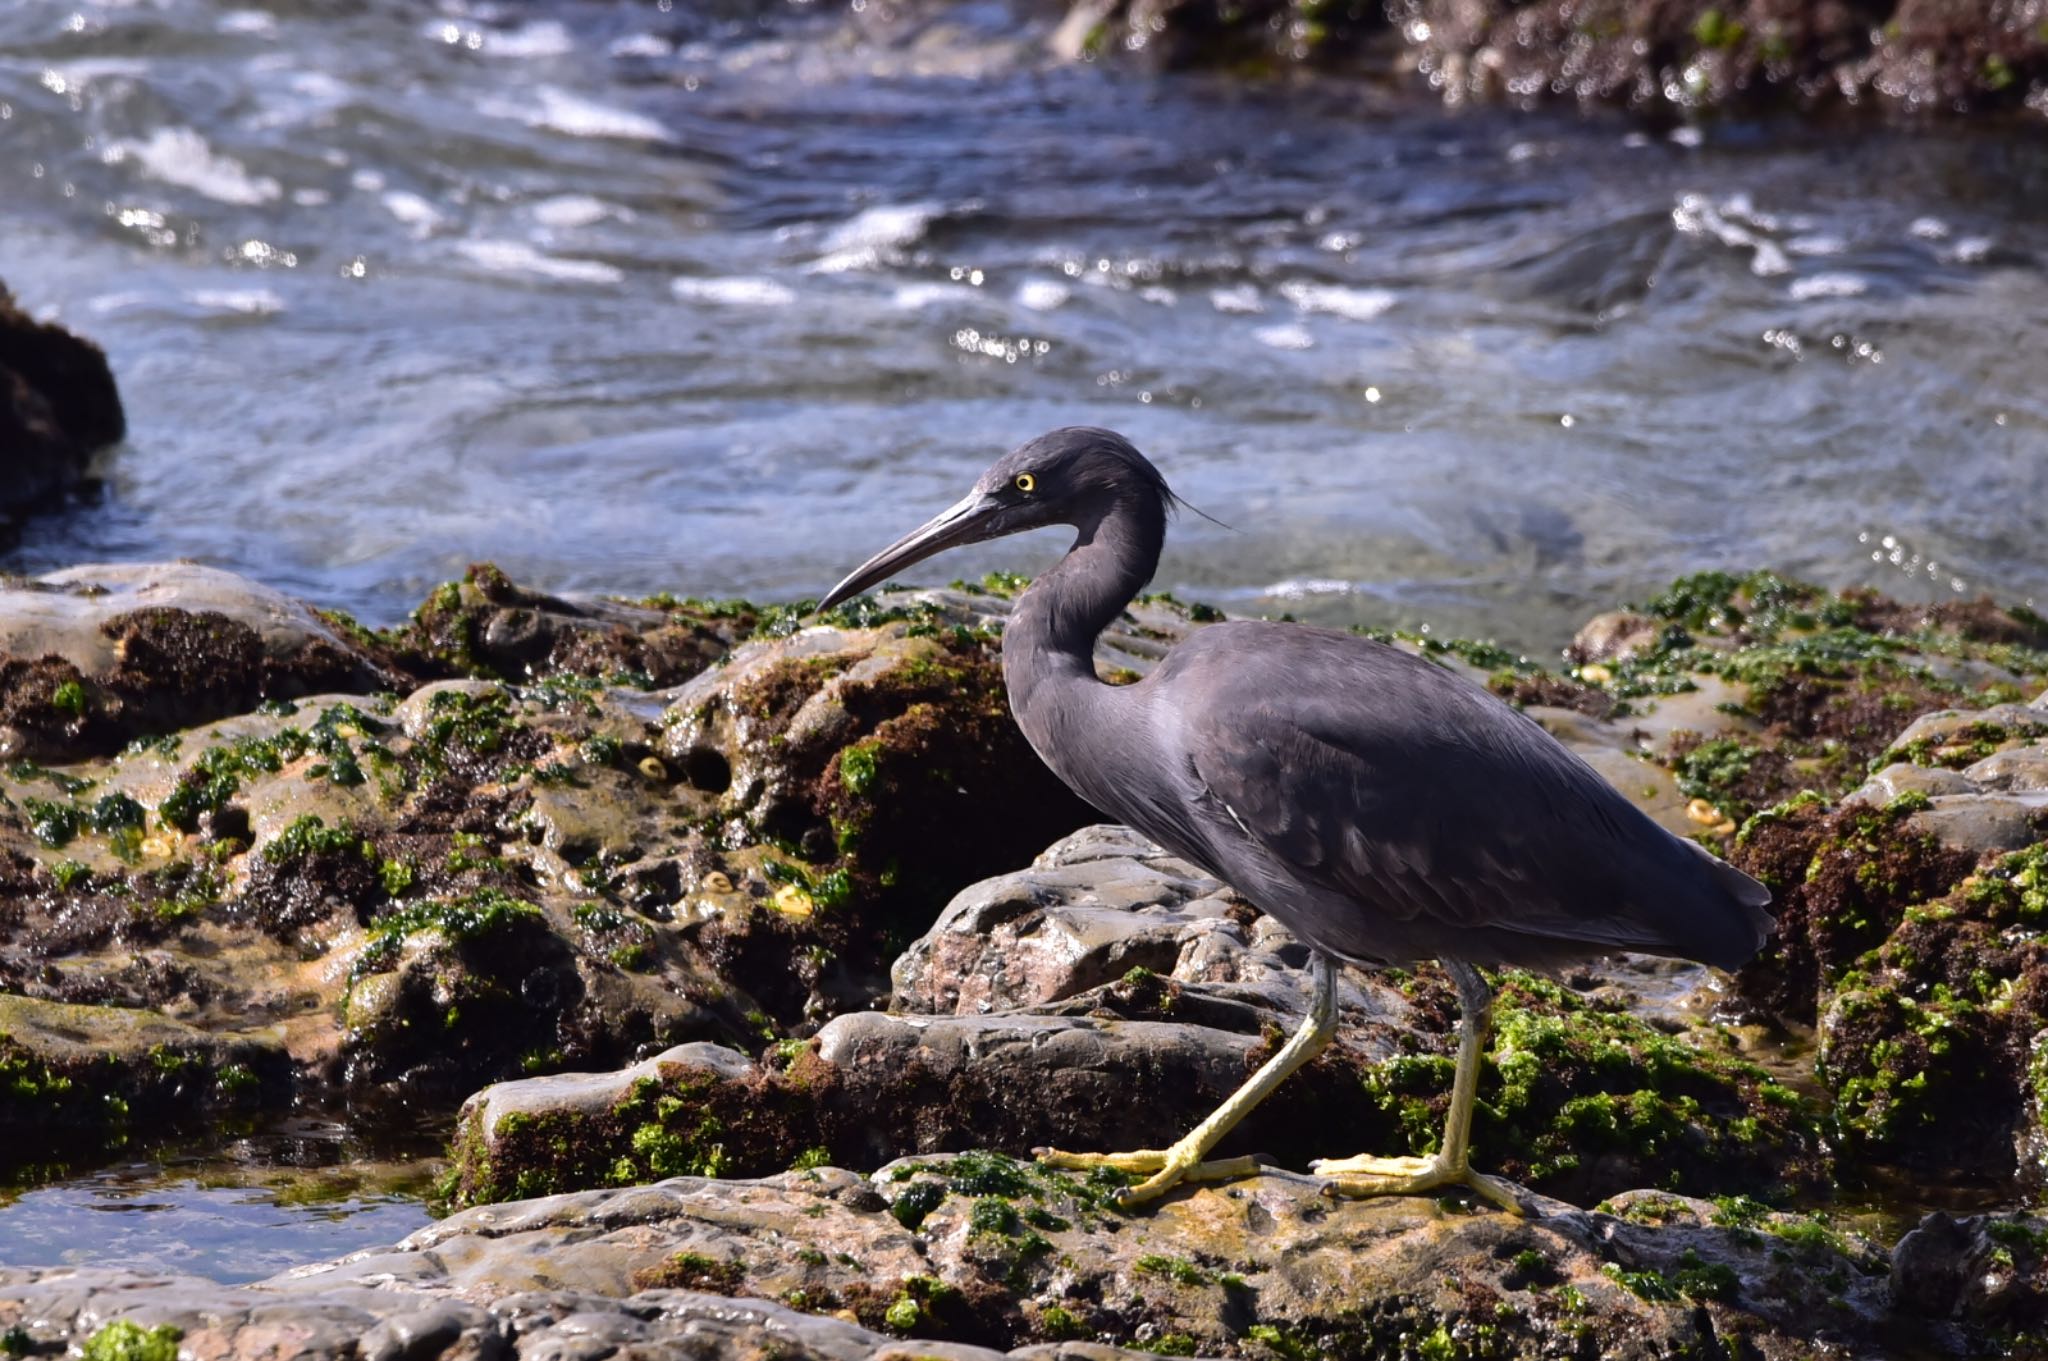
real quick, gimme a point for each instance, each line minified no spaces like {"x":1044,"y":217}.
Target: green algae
{"x":216,"y":776}
{"x":2014,"y":888}
{"x":1566,"y":1081}
{"x":122,"y":1340}
{"x":1176,"y":1269}
{"x":309,"y":835}
{"x":482,"y":912}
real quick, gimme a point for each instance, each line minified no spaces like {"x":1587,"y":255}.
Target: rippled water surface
{"x":715,"y":302}
{"x":255,"y":1208}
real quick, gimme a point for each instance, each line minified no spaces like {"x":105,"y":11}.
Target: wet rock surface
{"x":58,"y":406}
{"x":759,"y":875}
{"x":1113,"y":989}
{"x":1916,"y":56}
{"x":977,"y":1255}
{"x":486,"y":877}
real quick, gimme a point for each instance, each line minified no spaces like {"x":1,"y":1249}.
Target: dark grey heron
{"x":1383,"y":809}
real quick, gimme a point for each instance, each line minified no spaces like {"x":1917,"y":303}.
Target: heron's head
{"x":1073,"y":476}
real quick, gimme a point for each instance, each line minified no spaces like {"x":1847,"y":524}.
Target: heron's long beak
{"x":967,"y":520}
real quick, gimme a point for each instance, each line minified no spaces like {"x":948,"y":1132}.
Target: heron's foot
{"x":1168,"y":1167}
{"x":1368,"y":1176}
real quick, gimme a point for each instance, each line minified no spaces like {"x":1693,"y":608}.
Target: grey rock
{"x":1951,"y":725}
{"x":1020,"y":1252}
{"x":61,"y":612}
{"x":2017,"y":770}
{"x":1980,"y":824}
{"x":1903,"y":777}
{"x":1098,"y":904}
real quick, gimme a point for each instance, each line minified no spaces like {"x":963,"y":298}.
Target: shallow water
{"x":249,"y":1210}
{"x":631,"y":300}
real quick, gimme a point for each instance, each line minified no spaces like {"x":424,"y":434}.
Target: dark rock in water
{"x":57,"y":407}
{"x":1666,"y":55}
{"x":82,"y":1078}
{"x":1984,"y":1278}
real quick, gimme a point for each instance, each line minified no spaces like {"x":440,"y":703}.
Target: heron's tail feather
{"x":1750,"y":896}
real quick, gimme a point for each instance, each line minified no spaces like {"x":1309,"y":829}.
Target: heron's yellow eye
{"x":1025,"y":482}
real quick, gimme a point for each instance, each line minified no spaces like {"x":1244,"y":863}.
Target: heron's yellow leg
{"x":1369,"y":1176}
{"x":1184,"y":1161}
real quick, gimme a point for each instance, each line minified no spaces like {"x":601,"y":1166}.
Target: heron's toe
{"x":1141,"y":1160}
{"x":1365,"y":1165}
{"x":1360,"y":1177}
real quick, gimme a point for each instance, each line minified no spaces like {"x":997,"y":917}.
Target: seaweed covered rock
{"x":487,"y":878}
{"x":975,"y":1256}
{"x":58,"y":406}
{"x":486,"y":625}
{"x":1982,"y":1280}
{"x":1752,"y":689}
{"x":1137,"y":994}
{"x":1917,"y":56}
{"x":94,"y":657}
{"x":99,"y":1075}
{"x":1910,"y":917}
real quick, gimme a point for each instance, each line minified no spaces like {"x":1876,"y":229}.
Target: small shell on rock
{"x":715,"y":882}
{"x":793,"y":901}
{"x":1704,"y":813}
{"x":653,"y":769}
{"x":1595,"y":674}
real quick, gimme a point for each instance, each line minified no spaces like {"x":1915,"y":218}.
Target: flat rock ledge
{"x":976,"y":1256}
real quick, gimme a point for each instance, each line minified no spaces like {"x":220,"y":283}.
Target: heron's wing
{"x":1380,"y":777}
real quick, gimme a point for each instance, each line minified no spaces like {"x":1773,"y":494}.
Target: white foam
{"x":516,"y":257}
{"x":249,"y":302}
{"x":414,"y":211}
{"x":1817,"y":243}
{"x":107,"y":304}
{"x":914,"y":297}
{"x":1929,"y":229}
{"x":1043,"y":295}
{"x":542,"y":38}
{"x":248,"y":21}
{"x":887,"y":227}
{"x":1358,"y":304}
{"x":735,"y":292}
{"x":1299,"y":588}
{"x":1242,"y":299}
{"x":576,"y":210}
{"x":559,"y":111}
{"x":1287,"y":336}
{"x":1769,"y":260}
{"x":1972,"y":250}
{"x":182,"y":157}
{"x":1828,"y":286}
{"x":642,"y":45}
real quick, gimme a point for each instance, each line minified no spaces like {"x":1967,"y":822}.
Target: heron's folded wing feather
{"x":1450,"y":812}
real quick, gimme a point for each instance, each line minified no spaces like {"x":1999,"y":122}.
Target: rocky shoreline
{"x":714,"y":900}
{"x":1656,"y":57}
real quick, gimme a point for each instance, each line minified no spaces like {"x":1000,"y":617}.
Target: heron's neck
{"x":1049,"y":642}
